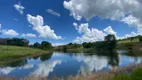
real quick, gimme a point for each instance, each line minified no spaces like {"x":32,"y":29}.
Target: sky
{"x":64,"y":21}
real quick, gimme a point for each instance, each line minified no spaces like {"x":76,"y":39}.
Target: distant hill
{"x":130,"y":40}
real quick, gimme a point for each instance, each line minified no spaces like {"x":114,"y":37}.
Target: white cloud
{"x":127,"y":11}
{"x":38,"y":25}
{"x":132,"y":34}
{"x":10,"y":32}
{"x":113,"y":9}
{"x":109,"y":30}
{"x":19,"y":8}
{"x":53,"y":12}
{"x":45,"y":68}
{"x":133,"y":21}
{"x":91,"y":35}
{"x":76,"y":17}
{"x":0,"y":26}
{"x":29,"y":35}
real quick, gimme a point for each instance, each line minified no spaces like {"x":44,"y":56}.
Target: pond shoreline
{"x":105,"y":75}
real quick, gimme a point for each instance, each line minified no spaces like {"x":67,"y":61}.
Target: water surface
{"x":64,"y":64}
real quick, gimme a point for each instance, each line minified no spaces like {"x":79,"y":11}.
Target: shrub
{"x":122,"y":77}
{"x":137,"y":74}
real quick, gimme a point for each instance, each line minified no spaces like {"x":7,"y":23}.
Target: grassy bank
{"x":136,"y":75}
{"x":12,"y":53}
{"x":132,"y":72}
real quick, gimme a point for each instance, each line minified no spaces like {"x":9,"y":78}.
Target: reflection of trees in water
{"x":45,"y":57}
{"x":35,"y":58}
{"x":18,"y":63}
{"x":23,"y":62}
{"x":113,"y":58}
{"x":112,"y":55}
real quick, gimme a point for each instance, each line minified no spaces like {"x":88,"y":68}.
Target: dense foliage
{"x":17,"y":42}
{"x":37,"y":45}
{"x":25,"y":43}
{"x":46,"y":45}
{"x":88,"y":45}
{"x":136,"y":75}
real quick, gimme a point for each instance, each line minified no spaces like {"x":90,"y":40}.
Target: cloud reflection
{"x":45,"y":68}
{"x":7,"y":70}
{"x":91,"y":62}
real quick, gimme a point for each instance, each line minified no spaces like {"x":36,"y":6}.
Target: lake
{"x":64,"y":64}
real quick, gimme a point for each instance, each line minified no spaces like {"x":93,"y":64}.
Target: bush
{"x":137,"y":74}
{"x":122,"y":77}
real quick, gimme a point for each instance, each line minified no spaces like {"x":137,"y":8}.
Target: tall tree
{"x":37,"y":45}
{"x":46,"y":45}
{"x":110,"y":41}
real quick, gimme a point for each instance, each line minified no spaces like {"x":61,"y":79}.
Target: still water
{"x":63,"y":64}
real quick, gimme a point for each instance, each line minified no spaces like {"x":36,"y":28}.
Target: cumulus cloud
{"x":133,"y":21}
{"x":29,"y":35}
{"x":38,"y":25}
{"x":76,"y":17}
{"x":45,"y":68}
{"x":19,"y":8}
{"x":53,"y":12}
{"x":91,"y":35}
{"x":109,"y":30}
{"x":127,"y":11}
{"x":10,"y":32}
{"x":113,"y":9}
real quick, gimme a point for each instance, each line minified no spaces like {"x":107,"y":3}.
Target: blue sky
{"x":61,"y":22}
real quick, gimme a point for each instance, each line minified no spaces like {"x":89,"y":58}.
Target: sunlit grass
{"x":16,"y":52}
{"x":136,"y":75}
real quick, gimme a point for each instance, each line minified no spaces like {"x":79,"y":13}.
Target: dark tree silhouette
{"x":37,"y":45}
{"x":46,"y":45}
{"x":110,"y":42}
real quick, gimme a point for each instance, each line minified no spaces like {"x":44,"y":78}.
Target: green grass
{"x":128,"y":41}
{"x":122,"y":77}
{"x":10,"y":52}
{"x":136,"y":75}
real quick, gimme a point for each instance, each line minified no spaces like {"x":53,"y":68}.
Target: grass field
{"x":128,"y":41}
{"x":14,"y":52}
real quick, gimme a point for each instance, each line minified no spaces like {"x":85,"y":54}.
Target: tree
{"x":46,"y":45}
{"x":18,"y":42}
{"x":110,"y":41}
{"x":87,"y":45}
{"x":37,"y":45}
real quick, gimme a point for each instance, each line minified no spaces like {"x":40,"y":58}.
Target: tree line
{"x":17,"y":42}
{"x":25,"y":43}
{"x":43,"y":45}
{"x":109,"y":43}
